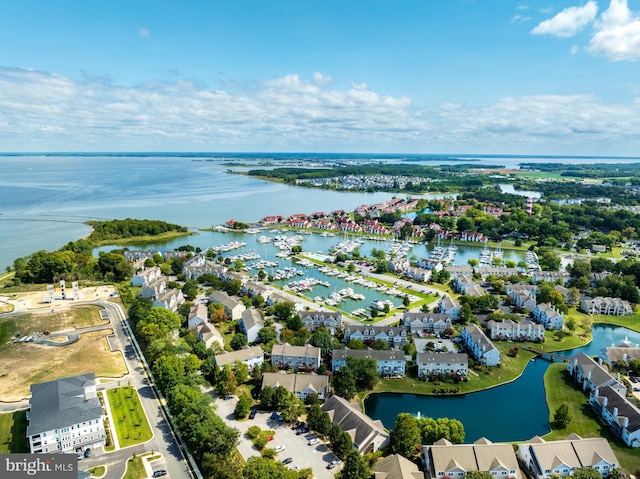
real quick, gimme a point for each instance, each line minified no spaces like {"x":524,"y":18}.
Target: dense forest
{"x":129,"y":228}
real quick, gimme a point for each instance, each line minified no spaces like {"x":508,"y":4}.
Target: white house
{"x":608,"y":306}
{"x":330,"y":320}
{"x":171,"y":300}
{"x":208,"y":334}
{"x":155,"y":289}
{"x":523,"y":330}
{"x":442,"y":363}
{"x":591,"y":375}
{"x":619,"y":412}
{"x":250,"y":324}
{"x":479,"y":345}
{"x":65,"y":415}
{"x":450,"y":306}
{"x":444,"y":459}
{"x":232,"y":307}
{"x":544,"y":458}
{"x":197,"y":314}
{"x":299,"y":358}
{"x":421,"y":324}
{"x":252,"y":356}
{"x":390,"y":362}
{"x":146,"y":276}
{"x":548,"y":316}
{"x":395,"y":337}
{"x":300,"y":384}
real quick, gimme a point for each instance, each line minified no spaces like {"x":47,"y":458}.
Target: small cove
{"x":513,"y":412}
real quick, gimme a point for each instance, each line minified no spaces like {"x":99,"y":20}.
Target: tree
{"x":190,"y":289}
{"x":478,"y":475}
{"x":238,"y":341}
{"x":365,"y":371}
{"x":586,"y":473}
{"x":466,"y":315}
{"x":267,"y":335}
{"x":406,"y":301}
{"x":380,"y":345}
{"x":344,"y":383}
{"x":432,"y":430}
{"x":323,"y":340}
{"x":226,"y":380}
{"x":284,"y":310}
{"x":355,"y":467}
{"x":243,"y":406}
{"x":405,"y":437}
{"x":241,"y":372}
{"x":340,"y":441}
{"x":562,"y":416}
{"x":294,"y":322}
{"x":356,"y":344}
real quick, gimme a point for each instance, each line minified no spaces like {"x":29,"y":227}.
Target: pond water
{"x":514,"y":412}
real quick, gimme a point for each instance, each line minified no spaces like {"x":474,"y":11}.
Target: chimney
{"x":615,"y":412}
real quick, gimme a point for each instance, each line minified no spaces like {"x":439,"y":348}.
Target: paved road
{"x":163,"y":440}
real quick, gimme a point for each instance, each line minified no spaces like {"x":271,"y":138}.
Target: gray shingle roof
{"x":61,"y":403}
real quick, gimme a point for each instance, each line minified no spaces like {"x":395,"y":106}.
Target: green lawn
{"x":128,"y":416}
{"x":135,"y":469}
{"x":13,"y":432}
{"x":560,"y":388}
{"x":97,"y":471}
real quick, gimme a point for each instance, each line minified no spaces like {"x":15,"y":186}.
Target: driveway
{"x":316,"y":457}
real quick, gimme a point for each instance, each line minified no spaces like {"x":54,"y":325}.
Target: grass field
{"x":97,"y":471}
{"x":13,"y":432}
{"x":135,"y":469}
{"x":128,"y":416}
{"x":24,"y":364}
{"x":559,"y":388}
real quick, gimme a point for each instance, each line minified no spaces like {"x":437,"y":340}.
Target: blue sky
{"x":421,"y":76}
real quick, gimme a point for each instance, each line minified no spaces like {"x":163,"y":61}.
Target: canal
{"x":513,"y":412}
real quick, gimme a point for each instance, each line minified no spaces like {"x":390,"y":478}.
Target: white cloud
{"x":144,"y":32}
{"x":42,"y":111}
{"x":569,"y":21}
{"x":520,"y":18}
{"x":618,"y":33}
{"x":574,"y":49}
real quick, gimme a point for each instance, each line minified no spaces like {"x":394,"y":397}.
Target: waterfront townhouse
{"x":390,"y":363}
{"x":589,"y":374}
{"x":550,"y":277}
{"x":450,"y":306}
{"x":366,"y":434}
{"x":471,"y":236}
{"x":300,"y":384}
{"x":548,"y":316}
{"x":624,"y":353}
{"x":252,"y":356}
{"x":330,"y":320}
{"x":275,"y":298}
{"x":135,"y":255}
{"x":444,"y":459}
{"x":197,"y":314}
{"x":251,"y":289}
{"x":606,"y":305}
{"x":511,"y":289}
{"x":396,"y":467}
{"x":155,"y":289}
{"x":398,"y":265}
{"x":195,"y":272}
{"x":232,"y":307}
{"x":208,"y":334}
{"x":395,"y":337}
{"x":417,"y":274}
{"x":462,"y":282}
{"x":65,"y":416}
{"x":298,"y":358}
{"x":422,"y":324}
{"x":147,"y":276}
{"x":479,"y":345}
{"x":171,"y":300}
{"x":523,"y":330}
{"x":250,"y":324}
{"x":451,"y":364}
{"x":619,"y":412}
{"x":546,"y":458}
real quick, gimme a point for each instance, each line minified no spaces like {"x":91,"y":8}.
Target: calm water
{"x":45,"y":199}
{"x":514,"y":412}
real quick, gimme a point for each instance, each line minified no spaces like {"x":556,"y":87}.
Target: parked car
{"x":87,"y":452}
{"x":280,"y":448}
{"x":228,"y":396}
{"x":288,"y":460}
{"x":159,"y":473}
{"x":303,"y":430}
{"x":313,"y":441}
{"x":252,"y":414}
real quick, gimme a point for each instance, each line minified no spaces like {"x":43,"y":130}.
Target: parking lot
{"x":316,"y":457}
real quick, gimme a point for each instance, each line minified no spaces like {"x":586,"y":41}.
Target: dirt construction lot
{"x":25,"y":363}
